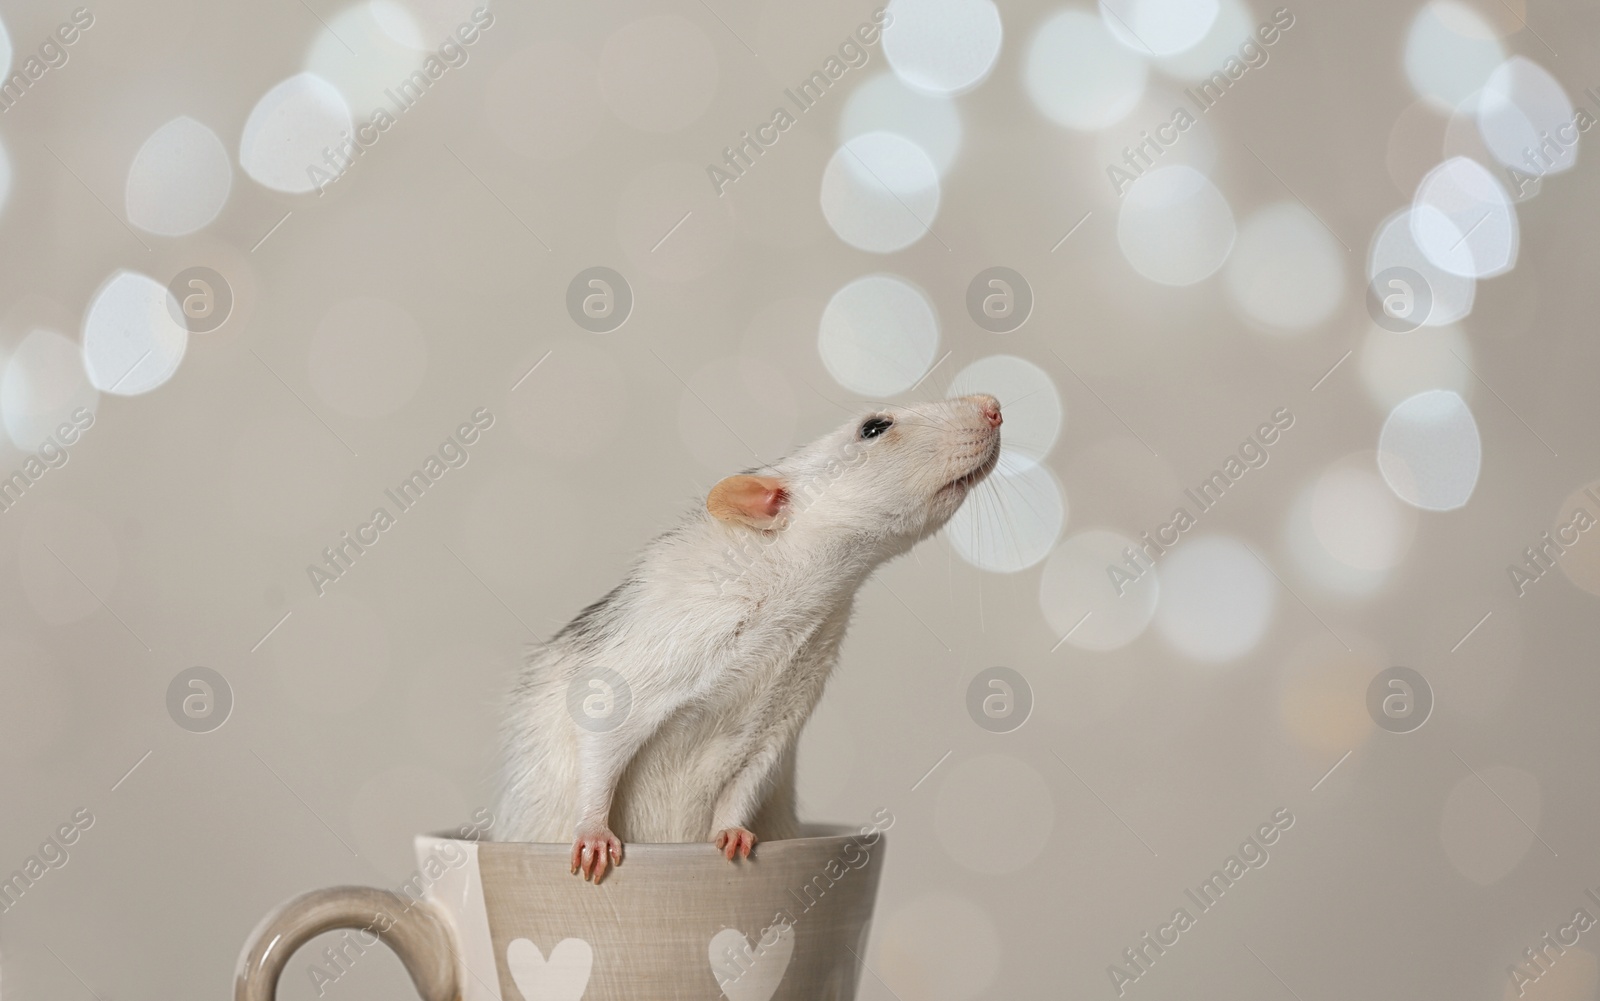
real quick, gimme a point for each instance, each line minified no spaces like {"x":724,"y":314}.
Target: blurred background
{"x":1320,"y":276}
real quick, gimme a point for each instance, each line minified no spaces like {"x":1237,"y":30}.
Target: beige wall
{"x":370,"y":321}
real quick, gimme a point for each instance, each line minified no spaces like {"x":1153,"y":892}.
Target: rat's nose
{"x":989,"y":407}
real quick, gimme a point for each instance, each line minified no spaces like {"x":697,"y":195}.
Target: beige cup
{"x":507,"y":921}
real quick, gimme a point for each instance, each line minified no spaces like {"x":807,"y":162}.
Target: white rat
{"x":669,"y":710}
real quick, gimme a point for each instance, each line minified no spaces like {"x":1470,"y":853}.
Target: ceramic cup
{"x":507,"y":921}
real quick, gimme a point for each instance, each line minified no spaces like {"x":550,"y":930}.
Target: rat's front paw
{"x":735,"y":841}
{"x":594,"y":847}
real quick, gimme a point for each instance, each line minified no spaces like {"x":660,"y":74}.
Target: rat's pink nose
{"x":990,"y":408}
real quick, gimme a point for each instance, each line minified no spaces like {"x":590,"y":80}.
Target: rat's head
{"x":891,"y":476}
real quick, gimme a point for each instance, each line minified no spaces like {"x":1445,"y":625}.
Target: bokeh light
{"x":1429,"y":451}
{"x":1078,"y":76}
{"x":1286,"y":271}
{"x":1463,"y":221}
{"x":371,"y":61}
{"x":1159,"y":27}
{"x":1575,"y":978}
{"x":1519,"y":109}
{"x":878,"y":335}
{"x":422,"y":24}
{"x":1346,"y":530}
{"x":884,"y":103}
{"x":1356,"y":521}
{"x":1028,"y":399}
{"x":1077,"y":595}
{"x":395,"y":20}
{"x":132,"y":341}
{"x":943,"y":46}
{"x":1322,"y":695}
{"x":1394,"y":246}
{"x":990,"y":792}
{"x":1581,"y":563}
{"x":1009,"y":523}
{"x":1174,"y":226}
{"x":1450,"y":52}
{"x":880,"y":192}
{"x":1488,"y":822}
{"x":1463,"y":136}
{"x":44,"y":382}
{"x":1216,"y":598}
{"x":288,"y":130}
{"x":1232,"y":23}
{"x":179,"y":180}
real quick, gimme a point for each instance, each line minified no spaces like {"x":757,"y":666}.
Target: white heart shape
{"x":563,"y":978}
{"x":747,"y":974}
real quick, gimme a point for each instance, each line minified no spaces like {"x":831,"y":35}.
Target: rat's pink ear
{"x":757,"y":501}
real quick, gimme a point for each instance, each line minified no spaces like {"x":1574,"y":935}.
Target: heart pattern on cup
{"x":563,"y":977}
{"x":751,"y":974}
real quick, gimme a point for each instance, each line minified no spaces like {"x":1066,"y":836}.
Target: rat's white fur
{"x":725,"y":635}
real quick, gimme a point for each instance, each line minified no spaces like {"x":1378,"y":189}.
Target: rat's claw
{"x":593,"y":850}
{"x":735,"y":840}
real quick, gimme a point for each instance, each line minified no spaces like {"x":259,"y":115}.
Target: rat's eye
{"x":874,"y":426}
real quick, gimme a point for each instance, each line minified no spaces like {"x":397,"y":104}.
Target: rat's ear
{"x":757,"y":501}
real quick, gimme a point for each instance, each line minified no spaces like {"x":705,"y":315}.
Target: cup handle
{"x":415,"y":930}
